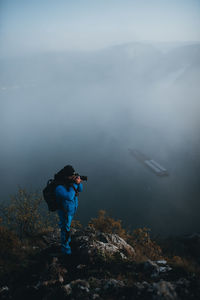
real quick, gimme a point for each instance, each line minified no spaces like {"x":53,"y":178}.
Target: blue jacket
{"x":67,"y":198}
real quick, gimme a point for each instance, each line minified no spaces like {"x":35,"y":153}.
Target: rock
{"x":3,"y":289}
{"x":120,"y":243}
{"x":92,"y":245}
{"x":4,"y":292}
{"x":81,"y":266}
{"x":52,"y":237}
{"x":113,"y":284}
{"x":183,"y":282}
{"x":67,"y":288}
{"x":151,"y":268}
{"x":52,"y":273}
{"x":163,"y":267}
{"x":164,"y":290}
{"x":154,"y":268}
{"x":162,"y":261}
{"x":95,"y":296}
{"x":182,"y":286}
{"x":78,"y":288}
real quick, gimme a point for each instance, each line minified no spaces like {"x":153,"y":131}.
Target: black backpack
{"x":50,"y":196}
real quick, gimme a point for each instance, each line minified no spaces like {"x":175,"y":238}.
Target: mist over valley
{"x":87,"y":108}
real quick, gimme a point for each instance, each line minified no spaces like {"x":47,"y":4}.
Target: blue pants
{"x":65,"y":224}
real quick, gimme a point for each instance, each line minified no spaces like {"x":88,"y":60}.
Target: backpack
{"x":50,"y":196}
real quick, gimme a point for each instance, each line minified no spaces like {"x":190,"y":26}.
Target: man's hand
{"x":78,"y":180}
{"x":75,"y":178}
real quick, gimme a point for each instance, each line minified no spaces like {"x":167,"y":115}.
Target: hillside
{"x":103,"y":265}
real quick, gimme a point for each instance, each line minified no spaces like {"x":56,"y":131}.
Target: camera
{"x":84,"y":178}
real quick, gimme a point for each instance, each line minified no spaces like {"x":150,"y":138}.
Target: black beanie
{"x":68,"y":170}
{"x":65,"y":172}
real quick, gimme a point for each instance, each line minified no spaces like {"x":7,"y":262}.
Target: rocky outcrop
{"x":102,"y":266}
{"x":92,"y":245}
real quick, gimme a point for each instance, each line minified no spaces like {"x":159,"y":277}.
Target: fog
{"x":87,"y":108}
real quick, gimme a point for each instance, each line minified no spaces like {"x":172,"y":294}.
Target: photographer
{"x":69,"y":185}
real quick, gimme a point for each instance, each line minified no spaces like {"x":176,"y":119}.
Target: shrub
{"x":10,"y":243}
{"x":107,"y":224}
{"x":76,"y":224}
{"x":143,"y":245}
{"x":26,"y":215}
{"x":184,"y":264}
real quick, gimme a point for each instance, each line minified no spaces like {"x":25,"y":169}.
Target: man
{"x":66,"y":195}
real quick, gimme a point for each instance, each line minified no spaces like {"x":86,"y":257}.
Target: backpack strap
{"x":76,"y":190}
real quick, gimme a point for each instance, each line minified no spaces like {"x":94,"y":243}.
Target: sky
{"x":45,"y":25}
